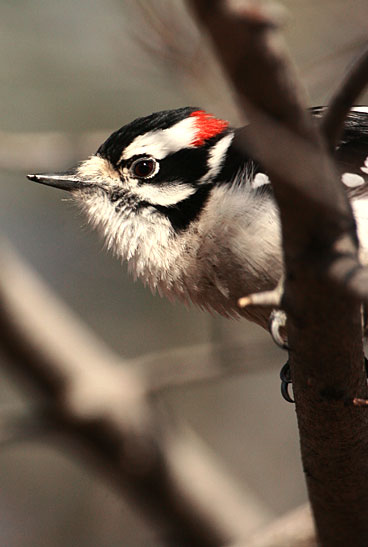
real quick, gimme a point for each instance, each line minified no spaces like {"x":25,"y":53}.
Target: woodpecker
{"x":191,"y":213}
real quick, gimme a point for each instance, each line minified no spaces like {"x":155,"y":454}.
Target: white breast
{"x":232,"y":249}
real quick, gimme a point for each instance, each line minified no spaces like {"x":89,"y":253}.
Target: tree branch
{"x":324,"y":324}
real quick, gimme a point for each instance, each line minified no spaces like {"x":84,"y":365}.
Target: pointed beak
{"x":65,"y":181}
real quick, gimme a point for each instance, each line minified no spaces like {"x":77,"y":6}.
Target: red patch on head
{"x":206,"y":126}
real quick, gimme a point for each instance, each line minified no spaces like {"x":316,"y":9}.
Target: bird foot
{"x":264,"y":298}
{"x":277,"y":322}
{"x":285,"y":378}
{"x":276,"y":326}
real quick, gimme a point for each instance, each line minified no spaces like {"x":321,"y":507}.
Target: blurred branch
{"x":94,"y":398}
{"x":171,"y":39}
{"x":346,"y":95}
{"x":324,"y":325}
{"x":249,"y":47}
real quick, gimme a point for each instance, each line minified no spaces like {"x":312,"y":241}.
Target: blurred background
{"x":71,"y":73}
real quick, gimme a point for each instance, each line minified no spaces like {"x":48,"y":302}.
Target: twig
{"x":173,"y":41}
{"x":345,"y":96}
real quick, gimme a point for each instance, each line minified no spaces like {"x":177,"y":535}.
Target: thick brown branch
{"x":324,"y":326}
{"x":344,"y":98}
{"x":249,"y":47}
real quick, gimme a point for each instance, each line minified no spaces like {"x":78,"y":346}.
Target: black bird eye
{"x":144,"y":168}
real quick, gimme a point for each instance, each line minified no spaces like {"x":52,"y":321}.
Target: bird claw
{"x":285,"y":378}
{"x":277,"y":318}
{"x":276,"y":322}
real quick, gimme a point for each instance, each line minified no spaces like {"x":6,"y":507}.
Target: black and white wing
{"x":352,"y":152}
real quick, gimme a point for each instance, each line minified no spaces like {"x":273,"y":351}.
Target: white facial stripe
{"x":162,"y":142}
{"x":217,"y":157}
{"x":360,"y":109}
{"x":352,"y":180}
{"x":165,"y":196}
{"x":260,"y":180}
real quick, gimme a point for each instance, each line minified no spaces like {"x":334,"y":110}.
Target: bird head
{"x":148,"y":183}
{"x":164,"y":163}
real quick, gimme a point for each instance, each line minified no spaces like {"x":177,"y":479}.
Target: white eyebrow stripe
{"x":162,"y":142}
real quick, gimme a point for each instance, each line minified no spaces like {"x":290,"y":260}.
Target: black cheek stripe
{"x":183,"y":213}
